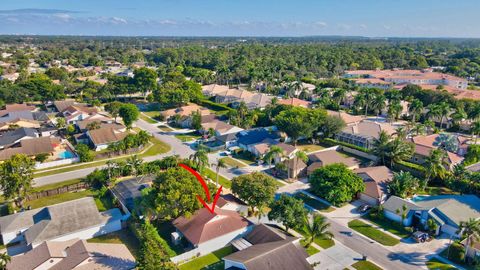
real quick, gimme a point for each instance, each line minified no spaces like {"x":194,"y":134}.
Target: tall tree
{"x":220,"y":164}
{"x":415,"y":109}
{"x":16,"y":175}
{"x":288,"y":211}
{"x":129,"y":113}
{"x":200,"y":159}
{"x":435,"y":164}
{"x":274,"y":153}
{"x":317,"y":228}
{"x":471,"y":231}
{"x":257,"y":189}
{"x":381,"y":146}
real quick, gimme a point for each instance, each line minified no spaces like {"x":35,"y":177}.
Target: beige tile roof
{"x":346,"y":117}
{"x":106,"y":135}
{"x":295,"y":102}
{"x":375,"y":179}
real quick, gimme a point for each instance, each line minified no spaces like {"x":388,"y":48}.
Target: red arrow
{"x":205,"y":188}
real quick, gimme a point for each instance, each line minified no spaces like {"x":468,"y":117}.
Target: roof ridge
{"x":286,"y":242}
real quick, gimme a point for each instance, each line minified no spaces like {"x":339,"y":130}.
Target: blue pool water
{"x":420,"y":198}
{"x":66,"y":154}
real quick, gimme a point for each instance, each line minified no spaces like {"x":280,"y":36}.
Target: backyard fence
{"x":56,"y":191}
{"x":119,"y":153}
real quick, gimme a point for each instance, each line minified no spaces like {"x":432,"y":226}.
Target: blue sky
{"x":373,"y":18}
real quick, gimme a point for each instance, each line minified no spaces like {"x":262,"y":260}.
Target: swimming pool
{"x":66,"y":154}
{"x":420,"y":198}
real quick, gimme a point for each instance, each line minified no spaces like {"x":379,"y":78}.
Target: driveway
{"x":337,"y":257}
{"x":346,"y":213}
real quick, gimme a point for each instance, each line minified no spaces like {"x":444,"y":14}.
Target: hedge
{"x":214,"y":106}
{"x":415,"y":169}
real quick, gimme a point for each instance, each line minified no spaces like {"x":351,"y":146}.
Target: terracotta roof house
{"x":349,"y":119}
{"x":456,"y":147}
{"x":227,"y":95}
{"x":31,"y":147}
{"x":376,"y":181}
{"x":219,"y":127}
{"x":328,"y":157}
{"x":448,"y":211}
{"x":102,"y":137}
{"x":207,"y":232}
{"x":60,"y":222}
{"x":16,"y":107}
{"x":296,"y":102}
{"x":364,"y":133}
{"x":267,"y":248}
{"x":74,"y":254}
{"x":184,"y":114}
{"x":103,"y":122}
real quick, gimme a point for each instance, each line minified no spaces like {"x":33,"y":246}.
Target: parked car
{"x":421,"y":237}
{"x":363,"y":208}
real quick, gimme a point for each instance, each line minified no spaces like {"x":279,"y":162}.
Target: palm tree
{"x":4,"y":260}
{"x":112,"y":168}
{"x":302,"y":156}
{"x":135,"y":165}
{"x":394,"y":110}
{"x":200,"y":159}
{"x":458,"y":116}
{"x":378,"y":104}
{"x":434,"y":111}
{"x":435,"y":164}
{"x":471,"y":230}
{"x":220,"y":164}
{"x":415,"y":109}
{"x":274,"y":153}
{"x":399,"y":150}
{"x":339,"y":95}
{"x":317,"y":228}
{"x":444,"y":109}
{"x":418,"y":129}
{"x":381,"y":146}
{"x":143,"y":137}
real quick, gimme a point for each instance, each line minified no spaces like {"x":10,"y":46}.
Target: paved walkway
{"x":337,"y":257}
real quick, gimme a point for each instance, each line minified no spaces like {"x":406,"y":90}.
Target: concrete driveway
{"x":337,"y":257}
{"x":346,"y":213}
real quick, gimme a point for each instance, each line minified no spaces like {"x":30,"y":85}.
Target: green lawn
{"x":232,"y":162}
{"x":187,"y":137}
{"x":374,"y":234}
{"x":456,"y":255}
{"x":165,"y":230}
{"x":322,"y":242}
{"x":56,"y":185}
{"x":165,"y":128}
{"x":312,"y":202}
{"x":157,"y":147}
{"x":221,"y":180}
{"x":436,"y":264}
{"x":152,"y":114}
{"x":147,"y":119}
{"x":308,"y":148}
{"x":124,"y":236}
{"x":389,"y":225}
{"x":365,"y":265}
{"x":310,"y":250}
{"x":438,"y":191}
{"x":209,"y":259}
{"x":103,"y":203}
{"x":245,"y":157}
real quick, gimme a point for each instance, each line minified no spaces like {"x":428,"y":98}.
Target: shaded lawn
{"x":322,"y":242}
{"x":209,"y":259}
{"x":152,"y":114}
{"x":165,"y":230}
{"x":209,"y":173}
{"x":372,"y":233}
{"x":438,"y":191}
{"x":232,"y":162}
{"x":389,"y":225}
{"x":308,"y":148}
{"x":456,"y":255}
{"x":245,"y":157}
{"x":365,"y":265}
{"x":103,"y":202}
{"x":314,"y":203}
{"x":146,"y":118}
{"x":124,"y":236}
{"x":436,"y":264}
{"x":310,"y":250}
{"x":164,"y":128}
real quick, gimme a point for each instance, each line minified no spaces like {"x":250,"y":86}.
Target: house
{"x":296,"y":102}
{"x":267,"y":248}
{"x":288,"y":151}
{"x":455,"y":146}
{"x":227,"y":95}
{"x":346,"y":117}
{"x":10,"y":138}
{"x":76,"y":113}
{"x":448,"y":211}
{"x":229,"y":139}
{"x":104,"y":122}
{"x":473,"y":251}
{"x":364,"y":134}
{"x":183,"y":116}
{"x":26,"y":119}
{"x":17,"y":107}
{"x":247,"y":139}
{"x":206,"y":232}
{"x":74,"y":254}
{"x":219,"y":128}
{"x":328,"y":157}
{"x":296,"y":167}
{"x":232,"y":203}
{"x":59,"y":222}
{"x":102,"y":137}
{"x":376,"y":181}
{"x":32,"y":147}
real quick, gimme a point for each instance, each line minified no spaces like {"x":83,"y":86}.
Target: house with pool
{"x":447,"y":211}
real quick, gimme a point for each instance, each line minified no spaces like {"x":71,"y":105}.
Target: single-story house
{"x":288,"y":151}
{"x":267,"y":248}
{"x":104,"y":122}
{"x":102,"y":137}
{"x":59,"y":222}
{"x":16,"y":107}
{"x":219,"y":127}
{"x":296,"y":102}
{"x":76,"y":113}
{"x":328,"y":157}
{"x":346,"y":117}
{"x":376,"y":181}
{"x":232,"y":203}
{"x":455,"y":146}
{"x":184,"y":114}
{"x":12,"y":137}
{"x":364,"y":134}
{"x":448,"y":211}
{"x":247,"y":139}
{"x":74,"y":254}
{"x":207,"y":232}
{"x":229,"y":139}
{"x":296,"y":167}
{"x":32,"y":147}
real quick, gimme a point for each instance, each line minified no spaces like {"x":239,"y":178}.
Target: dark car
{"x":421,"y":237}
{"x":363,"y":208}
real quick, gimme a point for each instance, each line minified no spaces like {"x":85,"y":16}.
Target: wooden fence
{"x":135,"y":150}
{"x":56,"y":191}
